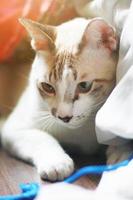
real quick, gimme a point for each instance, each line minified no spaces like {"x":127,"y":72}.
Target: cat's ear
{"x":99,"y":33}
{"x":42,"y":36}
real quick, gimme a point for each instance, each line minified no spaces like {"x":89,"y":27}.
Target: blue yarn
{"x":98,"y":169}
{"x":30,"y":191}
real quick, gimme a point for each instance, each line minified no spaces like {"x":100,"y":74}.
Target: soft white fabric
{"x":115,"y":185}
{"x":116,"y":116}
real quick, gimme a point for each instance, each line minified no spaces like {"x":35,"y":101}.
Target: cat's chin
{"x":76,"y":125}
{"x":72,"y":125}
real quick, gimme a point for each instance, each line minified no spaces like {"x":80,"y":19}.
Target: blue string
{"x":30,"y":191}
{"x":98,"y":169}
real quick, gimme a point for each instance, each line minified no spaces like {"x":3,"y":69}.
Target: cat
{"x":72,"y":75}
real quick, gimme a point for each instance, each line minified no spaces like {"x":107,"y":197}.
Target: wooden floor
{"x":13,"y":172}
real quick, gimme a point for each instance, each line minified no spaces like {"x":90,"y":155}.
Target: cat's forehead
{"x":61,"y":62}
{"x":62,"y":67}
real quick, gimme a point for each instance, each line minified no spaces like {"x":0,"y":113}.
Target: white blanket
{"x":115,"y":118}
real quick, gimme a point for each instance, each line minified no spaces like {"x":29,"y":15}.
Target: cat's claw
{"x":56,"y":169}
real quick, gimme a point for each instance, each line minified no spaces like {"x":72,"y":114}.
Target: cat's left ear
{"x":42,"y":36}
{"x":99,"y":34}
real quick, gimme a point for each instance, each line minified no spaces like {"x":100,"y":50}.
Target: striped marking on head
{"x":60,"y":62}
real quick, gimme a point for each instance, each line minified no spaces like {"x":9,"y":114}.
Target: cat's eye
{"x":84,"y":87}
{"x":49,"y":89}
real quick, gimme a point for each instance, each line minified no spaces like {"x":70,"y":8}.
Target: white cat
{"x":72,"y":75}
{"x":115,"y":185}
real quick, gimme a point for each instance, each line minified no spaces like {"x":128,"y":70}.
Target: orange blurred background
{"x":16,"y":54}
{"x":11,"y":32}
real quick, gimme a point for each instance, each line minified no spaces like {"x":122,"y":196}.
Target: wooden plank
{"x":13,"y":172}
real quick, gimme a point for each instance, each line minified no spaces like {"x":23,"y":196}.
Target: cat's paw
{"x":56,"y":167}
{"x":119,"y":153}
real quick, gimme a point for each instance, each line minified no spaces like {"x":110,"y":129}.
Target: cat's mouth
{"x":66,"y":119}
{"x":71,"y":122}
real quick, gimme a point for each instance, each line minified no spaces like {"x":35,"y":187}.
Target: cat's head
{"x":74,"y":67}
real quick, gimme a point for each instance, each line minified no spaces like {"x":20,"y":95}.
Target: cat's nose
{"x":65,"y":119}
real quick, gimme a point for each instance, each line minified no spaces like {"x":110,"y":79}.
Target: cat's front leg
{"x":42,"y":150}
{"x":120,"y":152}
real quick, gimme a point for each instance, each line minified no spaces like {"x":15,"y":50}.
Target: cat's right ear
{"x":42,"y":36}
{"x":100,"y":34}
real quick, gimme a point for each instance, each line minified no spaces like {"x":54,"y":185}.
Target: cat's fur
{"x":77,"y":51}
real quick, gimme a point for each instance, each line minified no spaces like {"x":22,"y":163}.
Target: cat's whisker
{"x":99,"y":103}
{"x":47,"y":124}
{"x":90,"y":111}
{"x":42,"y":119}
{"x":44,"y":123}
{"x":42,"y":112}
{"x":37,"y":115}
{"x":52,"y":122}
